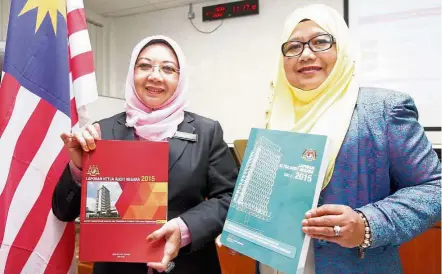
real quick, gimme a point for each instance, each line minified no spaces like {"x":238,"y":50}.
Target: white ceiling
{"x":116,"y":8}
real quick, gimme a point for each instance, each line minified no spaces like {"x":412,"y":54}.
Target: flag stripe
{"x":24,"y":107}
{"x":71,"y":86}
{"x":72,"y":5}
{"x":32,"y":229}
{"x":8,"y":93}
{"x":79,"y":43}
{"x":73,"y":268}
{"x":61,"y":259}
{"x":76,"y":21}
{"x":69,"y":58}
{"x":33,"y":181}
{"x":4,"y":250}
{"x":27,"y":147}
{"x":82,"y":64}
{"x":86,"y":82}
{"x":46,"y":245}
{"x":74,"y":113}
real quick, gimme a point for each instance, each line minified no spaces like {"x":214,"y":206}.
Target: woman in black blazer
{"x":202,"y":172}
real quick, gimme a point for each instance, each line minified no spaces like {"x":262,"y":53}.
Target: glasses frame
{"x":308,"y":44}
{"x":159,"y":69}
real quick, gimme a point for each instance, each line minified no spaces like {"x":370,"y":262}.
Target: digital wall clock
{"x":230,"y":10}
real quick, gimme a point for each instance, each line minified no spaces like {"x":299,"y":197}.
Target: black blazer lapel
{"x":177,"y":146}
{"x":121,"y":132}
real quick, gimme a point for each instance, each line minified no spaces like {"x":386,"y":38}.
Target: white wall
{"x":98,"y":27}
{"x":231,"y":69}
{"x":105,"y":107}
{"x":4,"y":16}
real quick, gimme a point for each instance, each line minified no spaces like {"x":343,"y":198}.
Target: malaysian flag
{"x":48,"y":80}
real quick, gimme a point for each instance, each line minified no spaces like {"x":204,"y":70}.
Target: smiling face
{"x":156,"y":75}
{"x":310,"y":69}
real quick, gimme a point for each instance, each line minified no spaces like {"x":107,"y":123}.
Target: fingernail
{"x":304,"y":222}
{"x":304,"y":229}
{"x":92,"y":146}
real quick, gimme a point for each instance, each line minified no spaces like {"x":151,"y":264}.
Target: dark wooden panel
{"x":423,"y":253}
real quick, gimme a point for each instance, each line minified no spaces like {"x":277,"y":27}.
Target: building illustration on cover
{"x":256,"y":185}
{"x":103,"y":200}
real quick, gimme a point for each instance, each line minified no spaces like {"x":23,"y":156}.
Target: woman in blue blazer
{"x":383,"y":183}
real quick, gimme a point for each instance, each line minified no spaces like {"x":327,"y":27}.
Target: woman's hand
{"x":172,"y":234}
{"x":219,"y":244}
{"x":81,"y":141}
{"x":319,"y":224}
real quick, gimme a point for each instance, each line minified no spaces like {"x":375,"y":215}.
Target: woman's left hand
{"x":170,"y":231}
{"x":219,"y":244}
{"x":320,"y":223}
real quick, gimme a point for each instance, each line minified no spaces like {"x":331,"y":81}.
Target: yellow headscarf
{"x":326,"y":110}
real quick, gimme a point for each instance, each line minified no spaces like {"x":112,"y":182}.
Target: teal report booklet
{"x":280,"y":179}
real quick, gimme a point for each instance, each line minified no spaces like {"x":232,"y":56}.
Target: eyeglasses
{"x":318,"y":43}
{"x":165,"y":69}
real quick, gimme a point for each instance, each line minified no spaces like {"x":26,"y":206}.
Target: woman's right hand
{"x":81,"y":141}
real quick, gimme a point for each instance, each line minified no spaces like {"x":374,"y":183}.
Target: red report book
{"x":123,"y":200}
